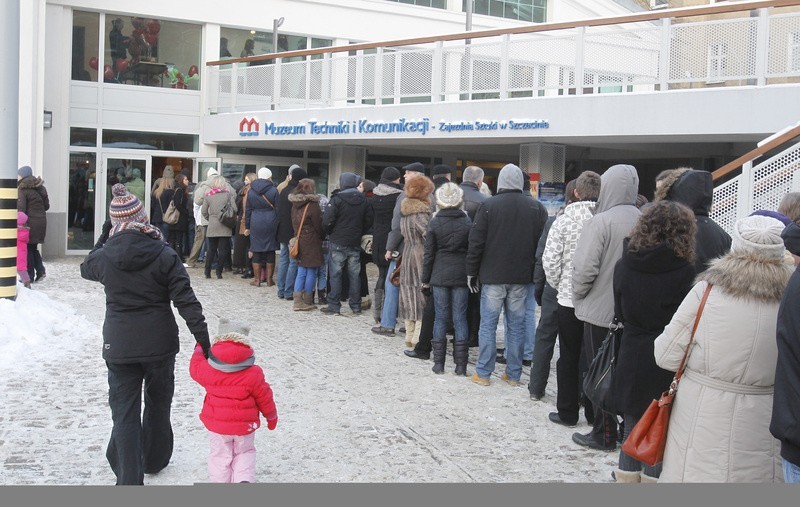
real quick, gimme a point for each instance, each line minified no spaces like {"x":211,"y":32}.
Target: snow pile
{"x":37,"y":328}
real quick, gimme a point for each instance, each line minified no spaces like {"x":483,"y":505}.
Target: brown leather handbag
{"x":648,"y":438}
{"x":394,"y":278}
{"x":294,"y":243}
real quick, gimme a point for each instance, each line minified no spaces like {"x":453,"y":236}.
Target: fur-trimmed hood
{"x":303,"y":198}
{"x":387,"y":189}
{"x":409,"y":206}
{"x":749,"y":276}
{"x":690,"y":187}
{"x":30,"y":182}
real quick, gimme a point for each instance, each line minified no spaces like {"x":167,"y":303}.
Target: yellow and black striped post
{"x":8,"y":238}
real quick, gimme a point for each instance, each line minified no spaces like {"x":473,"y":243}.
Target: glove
{"x":272,"y":423}
{"x":203,"y":341}
{"x":473,"y":284}
{"x":537,"y":294}
{"x":426,"y":290}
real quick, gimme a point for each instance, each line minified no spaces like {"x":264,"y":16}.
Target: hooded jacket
{"x":348,"y":215}
{"x":600,"y":245}
{"x":384,"y":197}
{"x":236,"y":391}
{"x":505,"y":234}
{"x":785,"y":422}
{"x":261,"y":217}
{"x":695,"y":189}
{"x":23,"y":237}
{"x":311,"y":233}
{"x":32,"y":200}
{"x":141,"y":276}
{"x":560,"y":248}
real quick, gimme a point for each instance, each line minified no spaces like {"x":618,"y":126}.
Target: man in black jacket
{"x":347,"y":217}
{"x":502,"y":247}
{"x":472,"y":180}
{"x":287,"y":266}
{"x":384,"y":197}
{"x":141,"y":276}
{"x":786,"y":398}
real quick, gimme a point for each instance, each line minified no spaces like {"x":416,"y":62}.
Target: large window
{"x":80,"y":201}
{"x":439,"y":4}
{"x":523,"y":10}
{"x":242,"y":43}
{"x":138,"y":51}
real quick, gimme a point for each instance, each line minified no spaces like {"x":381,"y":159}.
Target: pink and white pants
{"x":232,"y":458}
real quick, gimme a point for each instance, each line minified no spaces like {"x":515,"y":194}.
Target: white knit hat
{"x":449,"y":195}
{"x":758,"y":235}
{"x":232,"y":330}
{"x":264,"y":173}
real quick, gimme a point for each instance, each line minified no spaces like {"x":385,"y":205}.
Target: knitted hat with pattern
{"x":125,"y":207}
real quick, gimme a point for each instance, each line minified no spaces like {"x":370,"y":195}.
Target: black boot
{"x":460,"y":355}
{"x":439,"y":355}
{"x":322,"y":298}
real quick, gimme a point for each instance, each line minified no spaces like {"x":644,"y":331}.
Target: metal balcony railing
{"x":753,"y":43}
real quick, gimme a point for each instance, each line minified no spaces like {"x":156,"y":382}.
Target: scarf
{"x":148,"y":229}
{"x":216,"y":191}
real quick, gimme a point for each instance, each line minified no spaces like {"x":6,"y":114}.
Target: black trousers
{"x":546,"y":334}
{"x":140,"y":444}
{"x":473,"y":317}
{"x":568,"y":366}
{"x":424,"y":345}
{"x":219,"y":248}
{"x":35,"y":264}
{"x":175,"y":239}
{"x":605,"y":425}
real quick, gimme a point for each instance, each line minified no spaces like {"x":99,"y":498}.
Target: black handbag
{"x":598,"y":383}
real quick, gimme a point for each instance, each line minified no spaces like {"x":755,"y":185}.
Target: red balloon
{"x":122,"y":65}
{"x":151,"y":39}
{"x":107,"y":72}
{"x":153,"y":26}
{"x":193,"y":70}
{"x":93,"y":62}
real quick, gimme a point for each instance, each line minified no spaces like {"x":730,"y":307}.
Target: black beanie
{"x":390,"y":174}
{"x":439,"y":170}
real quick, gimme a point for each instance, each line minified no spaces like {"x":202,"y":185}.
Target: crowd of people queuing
{"x":451,"y":259}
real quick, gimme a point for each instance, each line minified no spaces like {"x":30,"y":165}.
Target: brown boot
{"x":308,"y":300}
{"x":270,"y":272}
{"x":300,"y":304}
{"x":256,"y":275}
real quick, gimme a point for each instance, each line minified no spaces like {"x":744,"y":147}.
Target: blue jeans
{"x":287,"y":271}
{"x":791,"y":472}
{"x":447,"y":301}
{"x":391,"y":301}
{"x":322,"y":273}
{"x":345,"y":257}
{"x":306,"y":279}
{"x":530,"y":323}
{"x":511,"y":299}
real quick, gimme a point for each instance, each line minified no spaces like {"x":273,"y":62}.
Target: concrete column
{"x":9,"y":146}
{"x":546,"y":160}
{"x":345,"y":159}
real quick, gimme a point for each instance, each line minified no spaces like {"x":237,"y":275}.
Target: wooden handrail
{"x":682,"y":12}
{"x":753,"y":154}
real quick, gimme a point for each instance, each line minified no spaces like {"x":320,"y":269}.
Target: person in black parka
{"x":384,"y":196}
{"x":695,"y":189}
{"x":444,"y":269}
{"x":651,"y":279}
{"x":141,"y":277}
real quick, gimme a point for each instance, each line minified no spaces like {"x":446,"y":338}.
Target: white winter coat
{"x":719,"y":427}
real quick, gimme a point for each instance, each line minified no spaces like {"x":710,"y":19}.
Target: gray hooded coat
{"x":600,"y":245}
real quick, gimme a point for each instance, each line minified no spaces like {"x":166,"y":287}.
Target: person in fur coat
{"x":719,"y":426}
{"x":415,"y":211}
{"x":236,"y":393}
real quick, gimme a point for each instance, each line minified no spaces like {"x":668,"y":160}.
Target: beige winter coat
{"x":719,"y":428}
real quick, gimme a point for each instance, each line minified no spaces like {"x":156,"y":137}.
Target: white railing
{"x":758,"y":187}
{"x":658,"y":55}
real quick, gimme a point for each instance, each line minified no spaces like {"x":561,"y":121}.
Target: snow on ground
{"x":352,"y":407}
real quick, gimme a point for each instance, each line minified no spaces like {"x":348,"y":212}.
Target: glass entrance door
{"x":132,"y":170}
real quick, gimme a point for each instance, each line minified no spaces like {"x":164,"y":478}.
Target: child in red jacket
{"x":23,"y":236}
{"x":236,"y":393}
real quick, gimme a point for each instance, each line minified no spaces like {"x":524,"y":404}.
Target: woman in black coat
{"x":384,"y":196}
{"x":177,"y":231}
{"x":444,"y":269}
{"x":651,"y":279}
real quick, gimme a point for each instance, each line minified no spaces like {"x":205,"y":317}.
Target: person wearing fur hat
{"x":347,"y":217}
{"x":23,"y":236}
{"x":236,"y":396}
{"x":499,"y":265}
{"x":287,"y":266}
{"x":142,"y":278}
{"x":261,"y":224}
{"x":32,"y":200}
{"x":786,"y":404}
{"x":444,"y":275}
{"x":416,"y":214}
{"x":719,"y":426}
{"x":695,"y":189}
{"x":307,"y":220}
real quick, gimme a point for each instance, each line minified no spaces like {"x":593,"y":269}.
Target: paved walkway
{"x":352,"y":407}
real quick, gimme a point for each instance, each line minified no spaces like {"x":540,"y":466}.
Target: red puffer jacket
{"x":233,"y":400}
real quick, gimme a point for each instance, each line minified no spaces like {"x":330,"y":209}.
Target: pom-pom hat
{"x":125,"y":207}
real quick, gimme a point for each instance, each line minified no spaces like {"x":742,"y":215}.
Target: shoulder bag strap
{"x":674,"y":385}
{"x":302,"y":220}
{"x":268,"y":201}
